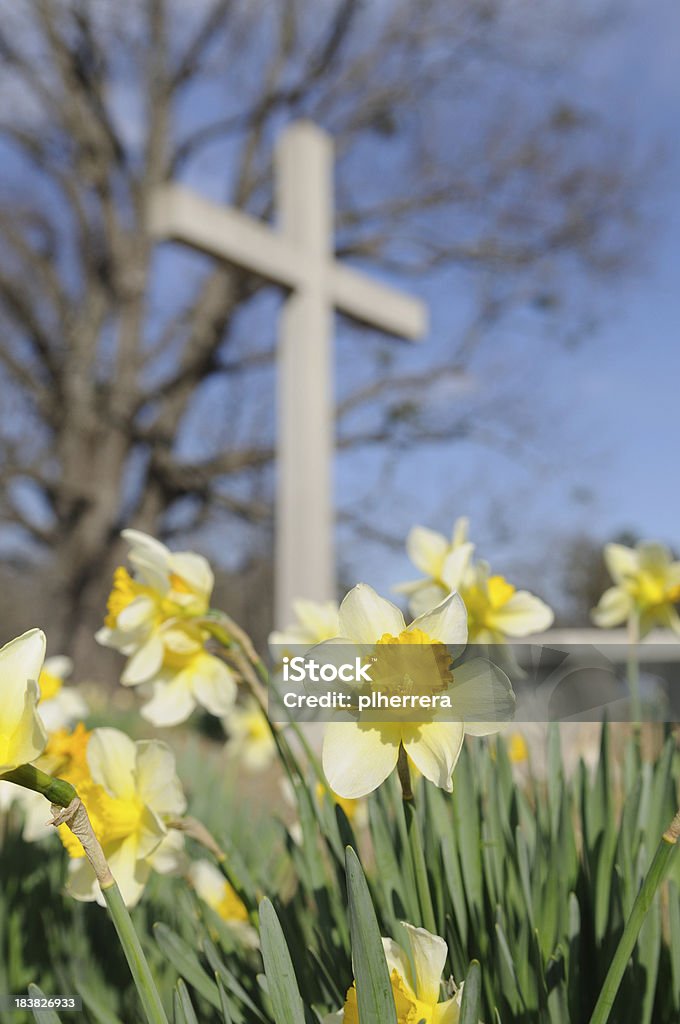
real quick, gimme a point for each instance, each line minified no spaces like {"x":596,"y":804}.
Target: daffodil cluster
{"x":646,"y":588}
{"x":155,"y":618}
{"x":496,"y":609}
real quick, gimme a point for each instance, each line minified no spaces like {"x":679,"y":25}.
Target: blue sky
{"x":606,"y":409}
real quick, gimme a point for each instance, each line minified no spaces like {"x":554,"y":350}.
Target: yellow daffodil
{"x":518,"y":751}
{"x":415,"y":976}
{"x":316,"y":621}
{"x":60,"y":706}
{"x":646,"y":587}
{"x":443,"y":562}
{"x":64,"y":757}
{"x":355,"y":811}
{"x":497,"y":610}
{"x":154,"y":619}
{"x":358,"y":755}
{"x":213,"y":888}
{"x":22,"y":733}
{"x":130,"y":790}
{"x":187,"y":676}
{"x":250,"y":737}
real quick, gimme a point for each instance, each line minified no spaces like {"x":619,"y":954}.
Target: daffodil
{"x":154,"y":618}
{"x":64,"y":757}
{"x":316,"y":621}
{"x":497,"y":610}
{"x":358,"y":755}
{"x":22,"y":733}
{"x":518,"y":751}
{"x":415,"y":976}
{"x":130,"y":791}
{"x":188,"y":675}
{"x":213,"y":888}
{"x":442,"y":561}
{"x":250,"y":736}
{"x":60,"y":706}
{"x":646,"y":587}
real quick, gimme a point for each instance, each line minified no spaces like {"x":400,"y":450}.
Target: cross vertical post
{"x":297,"y":255}
{"x":305,"y":408}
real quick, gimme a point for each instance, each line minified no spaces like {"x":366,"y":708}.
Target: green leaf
{"x":186,"y":963}
{"x":470,"y":1006}
{"x":184,"y":1011}
{"x":374,"y":991}
{"x":285,"y":996}
{"x":46,"y":1016}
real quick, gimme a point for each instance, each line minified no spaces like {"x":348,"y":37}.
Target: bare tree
{"x":108,"y":345}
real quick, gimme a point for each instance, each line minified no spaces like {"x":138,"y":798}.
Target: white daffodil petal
{"x":426,"y":597}
{"x":213,"y":684}
{"x":398,"y":960}
{"x":208,"y":881}
{"x":193,"y":569}
{"x":62,"y":711}
{"x":482,"y":696}
{"x":447,"y":1012}
{"x":139,"y":613}
{"x":150,"y":833}
{"x":428,"y":953}
{"x":58,"y":665}
{"x":112,"y":757}
{"x":157,"y":782}
{"x":434,"y":748}
{"x":28,"y":738}
{"x":522,"y":615}
{"x":365,"y":616}
{"x":170,"y":856}
{"x":20,"y":660}
{"x":129,"y":871}
{"x":614,"y":607}
{"x":82,"y":882}
{"x":653,"y":557}
{"x":357,"y":758}
{"x":145,"y":663}
{"x":426,"y":549}
{"x":621,"y":561}
{"x":455,"y":565}
{"x":172,"y":702}
{"x":447,"y":622}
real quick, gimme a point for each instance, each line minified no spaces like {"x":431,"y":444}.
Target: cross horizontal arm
{"x":178,"y":214}
{"x":376,"y":304}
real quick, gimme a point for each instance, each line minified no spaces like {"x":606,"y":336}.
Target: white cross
{"x":300,"y":257}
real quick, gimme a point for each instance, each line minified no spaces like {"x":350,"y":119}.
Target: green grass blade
{"x":470,"y":1006}
{"x":374,"y":991}
{"x":283,"y":989}
{"x":46,"y":1016}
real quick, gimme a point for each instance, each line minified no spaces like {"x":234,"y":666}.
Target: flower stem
{"x":415,"y":844}
{"x":74,"y":814}
{"x":134,"y":954}
{"x":404,"y":774}
{"x":633,"y":668}
{"x":57,"y":791}
{"x":643,"y":901}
